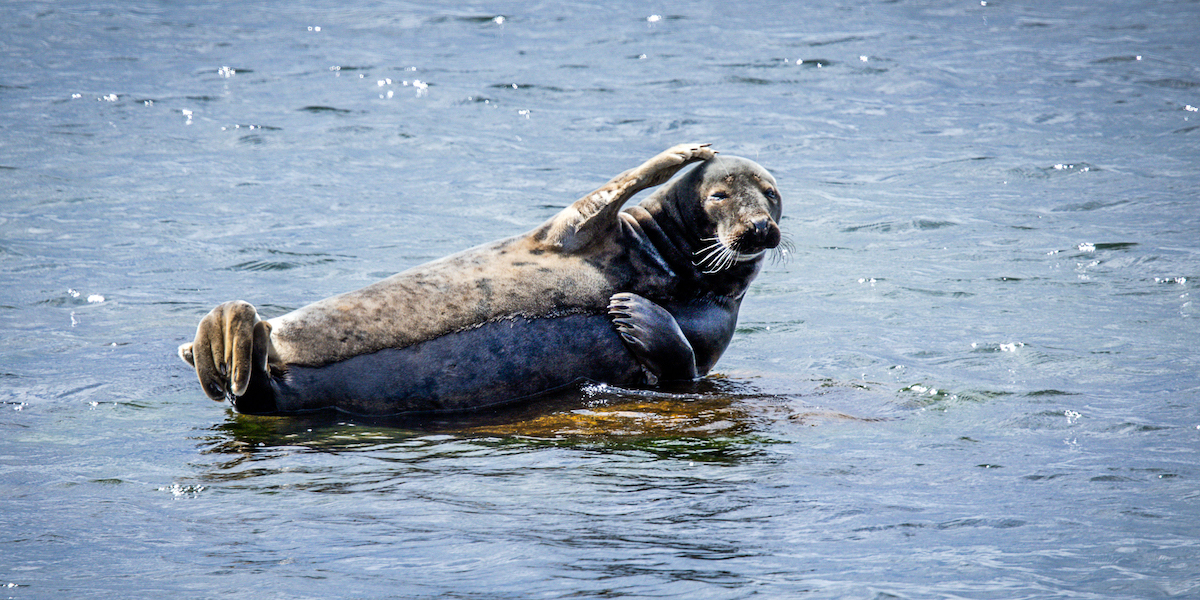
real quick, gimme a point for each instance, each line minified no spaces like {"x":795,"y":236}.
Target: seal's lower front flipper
{"x":654,"y":338}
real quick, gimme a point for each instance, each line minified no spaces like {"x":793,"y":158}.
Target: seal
{"x":634,"y":297}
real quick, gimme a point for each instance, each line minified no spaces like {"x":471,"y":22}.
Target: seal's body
{"x":639,"y":296}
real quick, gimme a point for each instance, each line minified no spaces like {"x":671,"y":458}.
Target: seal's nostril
{"x":762,"y":229}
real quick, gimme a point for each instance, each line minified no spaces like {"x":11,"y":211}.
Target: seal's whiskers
{"x":708,"y":252}
{"x":718,"y":256}
{"x":782,"y":252}
{"x":709,"y":255}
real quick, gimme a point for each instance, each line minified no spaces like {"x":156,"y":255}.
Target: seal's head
{"x":740,"y":207}
{"x":728,"y":209}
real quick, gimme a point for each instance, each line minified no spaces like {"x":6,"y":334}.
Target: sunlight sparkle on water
{"x":183,"y":491}
{"x":1003,"y":347}
{"x":1070,"y":167}
{"x":92,"y":298}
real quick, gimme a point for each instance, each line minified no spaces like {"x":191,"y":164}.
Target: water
{"x":975,"y":376}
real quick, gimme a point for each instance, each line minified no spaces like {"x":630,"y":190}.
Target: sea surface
{"x":975,"y":375}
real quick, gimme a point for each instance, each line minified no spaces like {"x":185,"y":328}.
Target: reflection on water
{"x":692,"y":419}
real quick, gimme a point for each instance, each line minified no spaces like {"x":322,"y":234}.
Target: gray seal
{"x":634,"y":297}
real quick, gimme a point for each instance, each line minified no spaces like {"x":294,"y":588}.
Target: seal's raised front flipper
{"x":654,"y":338}
{"x":594,"y":216}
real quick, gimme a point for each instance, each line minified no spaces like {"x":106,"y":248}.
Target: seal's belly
{"x":495,"y":363}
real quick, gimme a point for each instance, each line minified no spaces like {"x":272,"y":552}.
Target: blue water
{"x":975,"y":376}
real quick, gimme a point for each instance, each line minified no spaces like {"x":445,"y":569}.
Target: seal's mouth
{"x":742,"y":243}
{"x":718,"y":256}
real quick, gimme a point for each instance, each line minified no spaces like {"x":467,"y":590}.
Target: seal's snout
{"x":757,"y":234}
{"x":763,"y":233}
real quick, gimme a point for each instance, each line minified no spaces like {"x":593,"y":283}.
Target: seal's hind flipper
{"x":654,"y":338}
{"x":231,"y":345}
{"x":594,"y":216}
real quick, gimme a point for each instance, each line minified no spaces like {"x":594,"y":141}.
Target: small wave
{"x":1117,"y":59}
{"x":1054,"y":170}
{"x":1089,"y":206}
{"x":325,"y":109}
{"x":814,"y":63}
{"x":918,"y":224}
{"x":1173,"y":84}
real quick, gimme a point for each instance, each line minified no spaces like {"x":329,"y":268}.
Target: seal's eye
{"x":771,"y":194}
{"x":718,"y":196}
